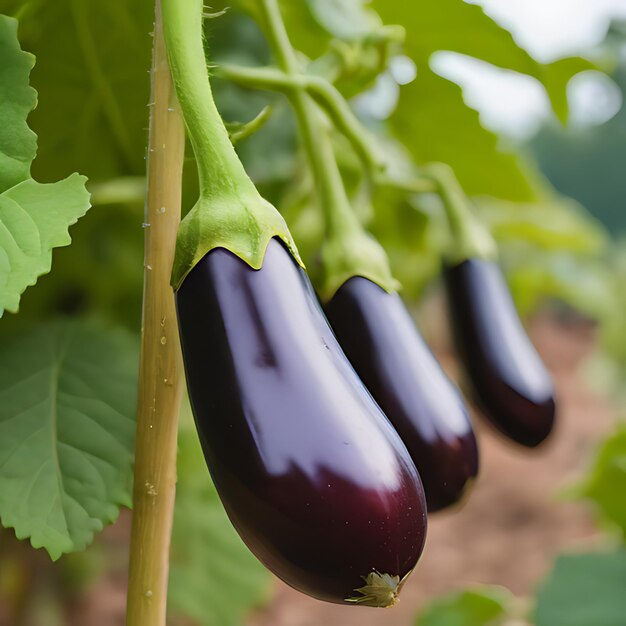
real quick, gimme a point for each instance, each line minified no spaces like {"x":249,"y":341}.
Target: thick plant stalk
{"x":161,"y":378}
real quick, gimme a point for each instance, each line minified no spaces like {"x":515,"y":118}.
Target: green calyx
{"x":380,"y":590}
{"x":470,"y":238}
{"x":354,"y":253}
{"x":230,"y":212}
{"x":244,"y":225}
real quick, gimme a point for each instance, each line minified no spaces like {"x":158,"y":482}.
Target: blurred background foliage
{"x":555,"y":204}
{"x":93,"y":89}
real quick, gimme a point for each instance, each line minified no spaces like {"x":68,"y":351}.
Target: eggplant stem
{"x":160,"y":374}
{"x":220,"y":172}
{"x":230,"y":212}
{"x":348,"y":250}
{"x":471,"y":239}
{"x":313,"y":131}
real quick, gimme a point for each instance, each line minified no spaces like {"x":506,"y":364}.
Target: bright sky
{"x":548,"y":29}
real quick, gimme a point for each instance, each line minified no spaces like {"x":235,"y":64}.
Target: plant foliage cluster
{"x":69,"y":359}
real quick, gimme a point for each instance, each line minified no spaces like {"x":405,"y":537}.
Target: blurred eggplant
{"x":506,"y":375}
{"x":383,"y":344}
{"x":312,"y":475}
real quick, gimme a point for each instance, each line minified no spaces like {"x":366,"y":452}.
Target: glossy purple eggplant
{"x":383,"y":344}
{"x":310,"y":471}
{"x":506,"y":375}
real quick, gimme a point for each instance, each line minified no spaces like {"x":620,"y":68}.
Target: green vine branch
{"x":326,"y":94}
{"x":347,"y":250}
{"x":470,"y":238}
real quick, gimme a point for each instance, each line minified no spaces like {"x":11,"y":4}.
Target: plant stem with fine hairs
{"x":160,"y":377}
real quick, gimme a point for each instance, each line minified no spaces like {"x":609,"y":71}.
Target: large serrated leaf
{"x":67,"y":406}
{"x":432,"y":118}
{"x":434,"y":123}
{"x":465,"y":28}
{"x":18,"y":144}
{"x":93,"y":83}
{"x":214,"y":579}
{"x":34,"y":217}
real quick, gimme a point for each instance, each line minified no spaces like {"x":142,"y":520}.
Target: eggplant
{"x":506,"y":375}
{"x":386,"y":349}
{"x":311,"y":473}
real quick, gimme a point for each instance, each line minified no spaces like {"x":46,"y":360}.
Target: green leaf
{"x":555,"y":78}
{"x":18,"y":144}
{"x":482,"y":606}
{"x":92,"y":77}
{"x":585,"y":284}
{"x":432,"y":118}
{"x":614,"y":324}
{"x":305,"y":31}
{"x":464,"y":28}
{"x":606,"y":483}
{"x":67,"y":405}
{"x":584,"y":590}
{"x":344,"y":19}
{"x":34,"y":217}
{"x":312,"y":24}
{"x":214,"y":579}
{"x":556,"y":223}
{"x":435,"y":124}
